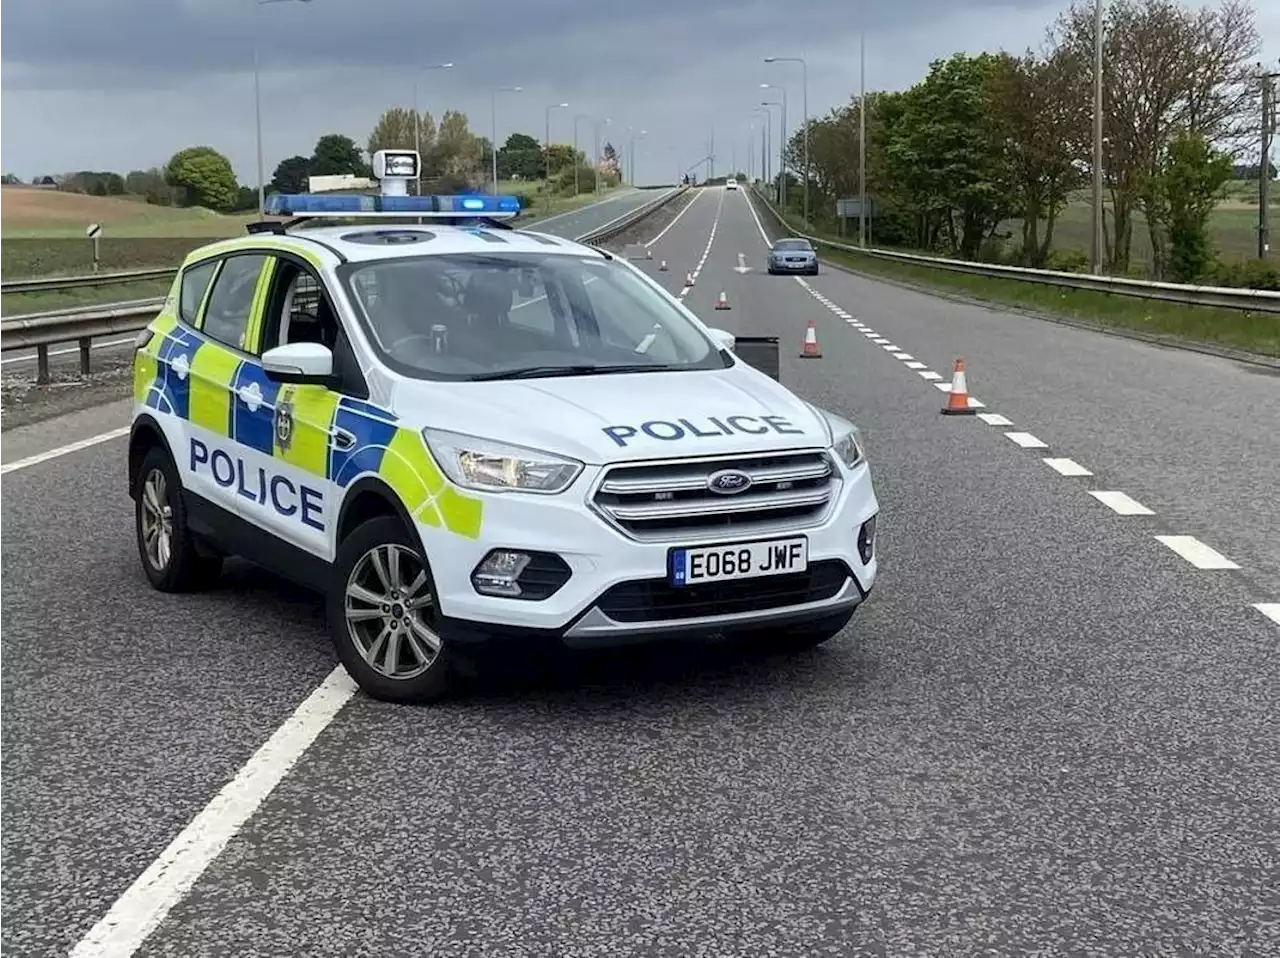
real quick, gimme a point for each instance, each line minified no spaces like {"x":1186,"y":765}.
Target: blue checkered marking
{"x":255,"y":429}
{"x":373,"y":428}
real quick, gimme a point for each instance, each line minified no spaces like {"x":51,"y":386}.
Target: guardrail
{"x":82,"y":325}
{"x":44,"y":284}
{"x":1220,"y":297}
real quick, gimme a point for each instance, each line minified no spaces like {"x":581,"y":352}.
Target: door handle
{"x":343,"y":440}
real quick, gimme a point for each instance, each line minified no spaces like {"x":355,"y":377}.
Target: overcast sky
{"x":122,"y":84}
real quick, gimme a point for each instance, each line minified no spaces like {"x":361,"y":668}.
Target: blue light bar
{"x":347,"y":204}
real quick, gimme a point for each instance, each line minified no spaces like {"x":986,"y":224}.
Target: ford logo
{"x":728,"y":482}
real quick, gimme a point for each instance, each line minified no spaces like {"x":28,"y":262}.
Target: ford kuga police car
{"x":458,"y":431}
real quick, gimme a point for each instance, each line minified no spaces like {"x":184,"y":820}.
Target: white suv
{"x":461,"y":432}
{"x":731,"y":183}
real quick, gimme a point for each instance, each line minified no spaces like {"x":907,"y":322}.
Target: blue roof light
{"x":342,"y":205}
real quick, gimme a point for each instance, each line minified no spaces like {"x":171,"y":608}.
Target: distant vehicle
{"x":793,"y":255}
{"x":731,"y":184}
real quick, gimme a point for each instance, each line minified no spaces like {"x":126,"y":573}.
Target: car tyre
{"x":167,"y":547}
{"x":798,"y":638}
{"x":383,"y":616}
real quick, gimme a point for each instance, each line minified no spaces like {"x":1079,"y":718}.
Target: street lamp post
{"x":597,"y":121}
{"x":553,"y":106}
{"x":804,"y":75}
{"x":631,"y":152}
{"x":862,"y":125}
{"x":417,"y":118}
{"x":493,"y":148}
{"x":782,"y":144}
{"x":577,"y":117}
{"x":257,"y":104}
{"x":765,"y":141}
{"x":781,"y":173}
{"x":1098,"y":241}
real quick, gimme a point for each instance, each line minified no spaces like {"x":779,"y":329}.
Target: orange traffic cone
{"x":723,"y":301}
{"x":662,"y":268}
{"x":811,"y":349}
{"x":688,"y":279}
{"x":958,"y":398}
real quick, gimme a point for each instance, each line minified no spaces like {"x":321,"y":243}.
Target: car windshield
{"x":474,"y":317}
{"x":792,"y":245}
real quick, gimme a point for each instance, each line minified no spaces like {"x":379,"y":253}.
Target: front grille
{"x":671,"y":501}
{"x":657,"y":600}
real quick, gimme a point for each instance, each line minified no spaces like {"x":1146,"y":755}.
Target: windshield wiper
{"x":582,"y":369}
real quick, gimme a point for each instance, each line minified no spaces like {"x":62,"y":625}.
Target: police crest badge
{"x":284,"y":420}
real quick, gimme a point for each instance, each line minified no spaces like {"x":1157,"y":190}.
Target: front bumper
{"x":618,"y":587}
{"x":782,"y":266}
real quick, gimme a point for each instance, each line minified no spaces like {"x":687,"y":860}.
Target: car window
{"x":792,"y":245}
{"x":194,"y":283}
{"x":460,"y":316}
{"x":226,"y":318}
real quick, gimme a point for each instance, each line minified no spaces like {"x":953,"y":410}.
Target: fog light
{"x":512,"y":574}
{"x":867,"y":540}
{"x":499,"y":573}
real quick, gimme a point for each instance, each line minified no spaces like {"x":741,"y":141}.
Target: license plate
{"x":743,"y":560}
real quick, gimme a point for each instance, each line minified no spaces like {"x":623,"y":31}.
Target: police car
{"x":462,"y":432}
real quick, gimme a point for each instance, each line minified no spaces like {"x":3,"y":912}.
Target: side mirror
{"x":725,"y":340}
{"x":299,"y":363}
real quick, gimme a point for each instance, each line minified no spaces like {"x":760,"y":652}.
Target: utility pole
{"x":1099,"y":240}
{"x":711,"y":154}
{"x":1264,"y":163}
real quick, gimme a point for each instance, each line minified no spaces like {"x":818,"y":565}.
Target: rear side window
{"x":194,"y":282}
{"x":226,"y":318}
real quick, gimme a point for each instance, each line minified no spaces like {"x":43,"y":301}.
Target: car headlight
{"x":491,"y":466}
{"x":848,"y":446}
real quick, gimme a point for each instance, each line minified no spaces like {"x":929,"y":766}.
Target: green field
{"x":43,"y":231}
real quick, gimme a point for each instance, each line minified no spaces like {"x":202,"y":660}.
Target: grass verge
{"x":1257,"y":333}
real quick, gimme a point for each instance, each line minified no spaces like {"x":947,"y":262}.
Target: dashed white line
{"x":1270,"y":609}
{"x":144,"y":905}
{"x":715,"y":225}
{"x":995,"y":419}
{"x":905,"y":357}
{"x":929,"y":374}
{"x":1026,"y":440}
{"x":1120,"y":503}
{"x":1196,"y":552}
{"x":915,"y":364}
{"x":890,"y":348}
{"x":70,"y":447}
{"x":1067,"y":467}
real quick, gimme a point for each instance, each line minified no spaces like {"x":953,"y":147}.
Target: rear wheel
{"x":166,"y":546}
{"x":383,"y":616}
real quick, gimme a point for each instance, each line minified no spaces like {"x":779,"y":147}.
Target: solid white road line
{"x":1197,"y":553}
{"x":756,"y":216}
{"x":141,"y":909}
{"x":1119,"y":502}
{"x":1067,"y":467}
{"x":1270,"y":609}
{"x":995,"y":419}
{"x":677,"y":219}
{"x":1026,"y":440}
{"x":70,"y":447}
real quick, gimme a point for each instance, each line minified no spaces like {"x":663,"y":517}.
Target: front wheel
{"x":383,"y":616}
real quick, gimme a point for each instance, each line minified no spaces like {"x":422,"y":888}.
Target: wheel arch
{"x":144,"y":435}
{"x":368,"y":498}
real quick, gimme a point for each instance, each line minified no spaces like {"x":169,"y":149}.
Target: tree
{"x":337,"y":154}
{"x":1166,"y":69}
{"x":204,"y":177}
{"x":458,"y":151}
{"x":561,"y":156}
{"x":521,"y":156}
{"x":1181,"y":197}
{"x":1041,"y":106}
{"x":396,"y":130}
{"x":291,"y":175}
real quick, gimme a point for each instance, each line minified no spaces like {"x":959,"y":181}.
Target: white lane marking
{"x":1121,"y":503}
{"x":715,"y":224}
{"x":929,"y":374}
{"x":1270,"y":609}
{"x":903,"y":356}
{"x":756,"y":216}
{"x":1197,"y":553}
{"x":1067,"y":467}
{"x":995,"y":419}
{"x":697,"y":194}
{"x":890,"y":348}
{"x":879,"y":340}
{"x":67,"y":352}
{"x":70,"y":447}
{"x":872,"y":335}
{"x":1026,"y":440}
{"x":141,"y":909}
{"x":915,"y":364}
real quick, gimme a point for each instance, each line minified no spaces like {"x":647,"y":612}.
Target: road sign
{"x":93,"y":231}
{"x":850,"y":207}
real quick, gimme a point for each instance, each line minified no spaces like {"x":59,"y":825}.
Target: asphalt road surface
{"x":1047,"y":732}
